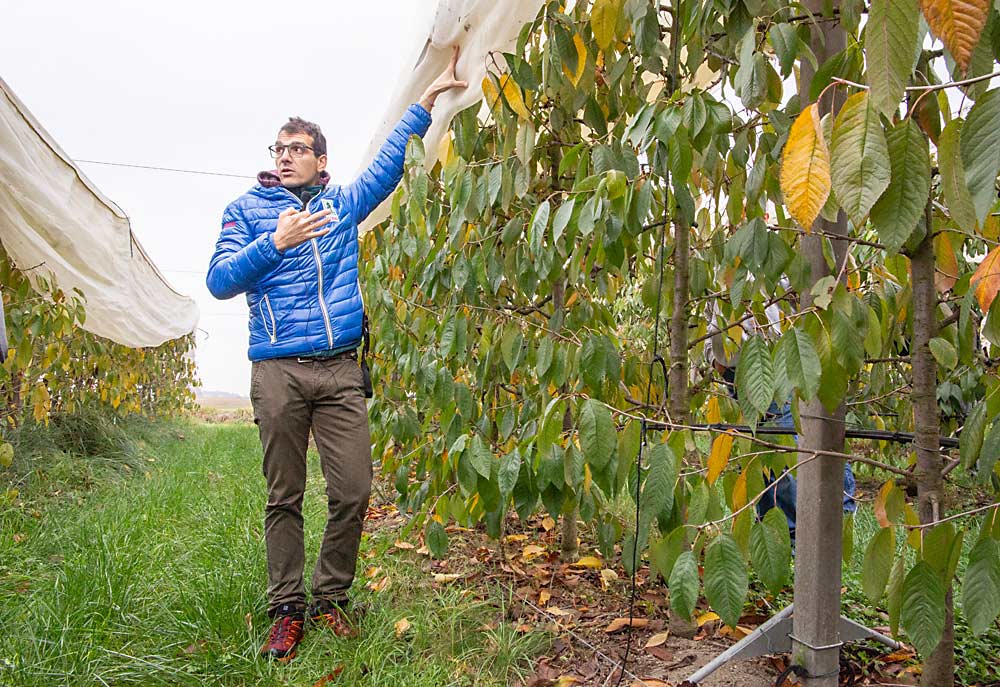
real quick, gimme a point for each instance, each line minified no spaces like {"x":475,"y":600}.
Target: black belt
{"x":343,"y":355}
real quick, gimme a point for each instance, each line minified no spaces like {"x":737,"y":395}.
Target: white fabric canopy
{"x":477,"y":27}
{"x":54,"y":221}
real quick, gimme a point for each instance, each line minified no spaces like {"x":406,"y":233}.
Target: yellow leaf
{"x":722,"y":447}
{"x":740,"y":491}
{"x":713,"y":414}
{"x":657,"y":639}
{"x":566,"y":681}
{"x":491,"y":93}
{"x":589,"y":562}
{"x":581,"y":61}
{"x":946,"y":274}
{"x":548,"y":523}
{"x":604,"y":21}
{"x":515,"y":537}
{"x":707,"y":618}
{"x":558,"y":612}
{"x":512,"y":94}
{"x":446,"y":151}
{"x":607,"y":577}
{"x":959,"y":24}
{"x":879,"y":506}
{"x":544,"y":596}
{"x":619,"y":624}
{"x":402,"y":626}
{"x":805,"y":168}
{"x":986,"y":279}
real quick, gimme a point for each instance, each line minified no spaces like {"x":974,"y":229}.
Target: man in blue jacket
{"x":291,"y":244}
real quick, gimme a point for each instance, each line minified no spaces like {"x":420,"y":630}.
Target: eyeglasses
{"x":295,"y":150}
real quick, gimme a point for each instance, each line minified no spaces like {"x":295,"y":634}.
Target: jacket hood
{"x":270,"y":178}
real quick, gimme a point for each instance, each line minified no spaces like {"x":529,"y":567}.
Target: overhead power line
{"x":167,"y":169}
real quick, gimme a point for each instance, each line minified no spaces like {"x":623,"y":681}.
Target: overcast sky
{"x":204,"y":85}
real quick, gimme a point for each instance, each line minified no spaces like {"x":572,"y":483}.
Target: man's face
{"x":298,"y":170}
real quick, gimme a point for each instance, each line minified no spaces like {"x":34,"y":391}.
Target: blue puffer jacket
{"x":306,"y":300}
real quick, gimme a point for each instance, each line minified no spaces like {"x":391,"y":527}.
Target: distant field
{"x":223,"y":402}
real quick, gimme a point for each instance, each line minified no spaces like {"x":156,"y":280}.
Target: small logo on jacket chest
{"x":328,"y":205}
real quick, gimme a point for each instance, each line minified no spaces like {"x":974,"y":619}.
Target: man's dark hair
{"x":297,"y":125}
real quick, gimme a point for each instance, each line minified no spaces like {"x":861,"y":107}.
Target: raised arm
{"x":383,"y":174}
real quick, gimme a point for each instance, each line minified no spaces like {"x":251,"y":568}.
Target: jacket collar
{"x":270,"y":178}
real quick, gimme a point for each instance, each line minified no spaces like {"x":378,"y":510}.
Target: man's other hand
{"x":447,"y":81}
{"x":295,"y":228}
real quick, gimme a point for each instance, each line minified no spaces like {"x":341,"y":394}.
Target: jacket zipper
{"x":319,"y":270}
{"x":274,"y":327}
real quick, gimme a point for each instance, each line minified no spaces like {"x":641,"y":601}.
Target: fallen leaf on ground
{"x":661,"y":653}
{"x":558,"y":612}
{"x":446,"y":577}
{"x":378,"y":585}
{"x":248,"y":619}
{"x":737,"y":633}
{"x":532,"y":551}
{"x":619,"y":624}
{"x":589,"y":562}
{"x":707,"y":618}
{"x":548,"y":523}
{"x":406,"y":546}
{"x":650,"y":682}
{"x":515,"y":537}
{"x":607,"y":577}
{"x":402,"y":626}
{"x":372,"y":572}
{"x":543,"y":597}
{"x":657,"y":639}
{"x":329,"y":677}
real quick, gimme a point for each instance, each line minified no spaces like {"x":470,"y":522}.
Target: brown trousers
{"x":290,"y":396}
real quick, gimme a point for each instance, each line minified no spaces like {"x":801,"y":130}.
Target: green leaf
{"x":6,"y":455}
{"x":726,"y":579}
{"x":658,"y":490}
{"x":665,"y":551}
{"x":989,"y":453}
{"x":561,"y":220}
{"x":592,"y":362}
{"x":953,"y":178}
{"x":898,"y":211}
{"x":785,"y":41}
{"x":971,"y":439}
{"x":539,"y":222}
{"x":480,"y":456}
{"x":981,"y":586}
{"x":436,"y":538}
{"x":755,"y":374}
{"x":510,"y":347}
{"x":980,"y":146}
{"x":890,"y":37}
{"x":801,"y":361}
{"x":878,"y":564}
{"x":771,"y":549}
{"x":597,"y":434}
{"x":922,"y":609}
{"x":683,"y":584}
{"x":943,"y":352}
{"x":894,"y":594}
{"x":510,"y":467}
{"x":543,"y":358}
{"x":859,"y":158}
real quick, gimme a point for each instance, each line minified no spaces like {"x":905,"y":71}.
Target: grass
{"x":147,"y":568}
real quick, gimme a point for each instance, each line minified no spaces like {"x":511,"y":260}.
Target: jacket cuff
{"x":268,"y":250}
{"x":423,"y":117}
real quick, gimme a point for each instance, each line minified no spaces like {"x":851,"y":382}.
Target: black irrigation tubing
{"x":851,"y":433}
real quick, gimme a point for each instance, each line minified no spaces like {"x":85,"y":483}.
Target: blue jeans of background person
{"x":781,"y":490}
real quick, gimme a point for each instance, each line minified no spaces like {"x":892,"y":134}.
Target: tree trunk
{"x":819,"y":505}
{"x":939,"y":667}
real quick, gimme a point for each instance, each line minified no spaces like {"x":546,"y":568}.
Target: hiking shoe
{"x":335,"y":617}
{"x":286,"y":633}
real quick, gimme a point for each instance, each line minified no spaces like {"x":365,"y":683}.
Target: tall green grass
{"x":154,"y":574}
